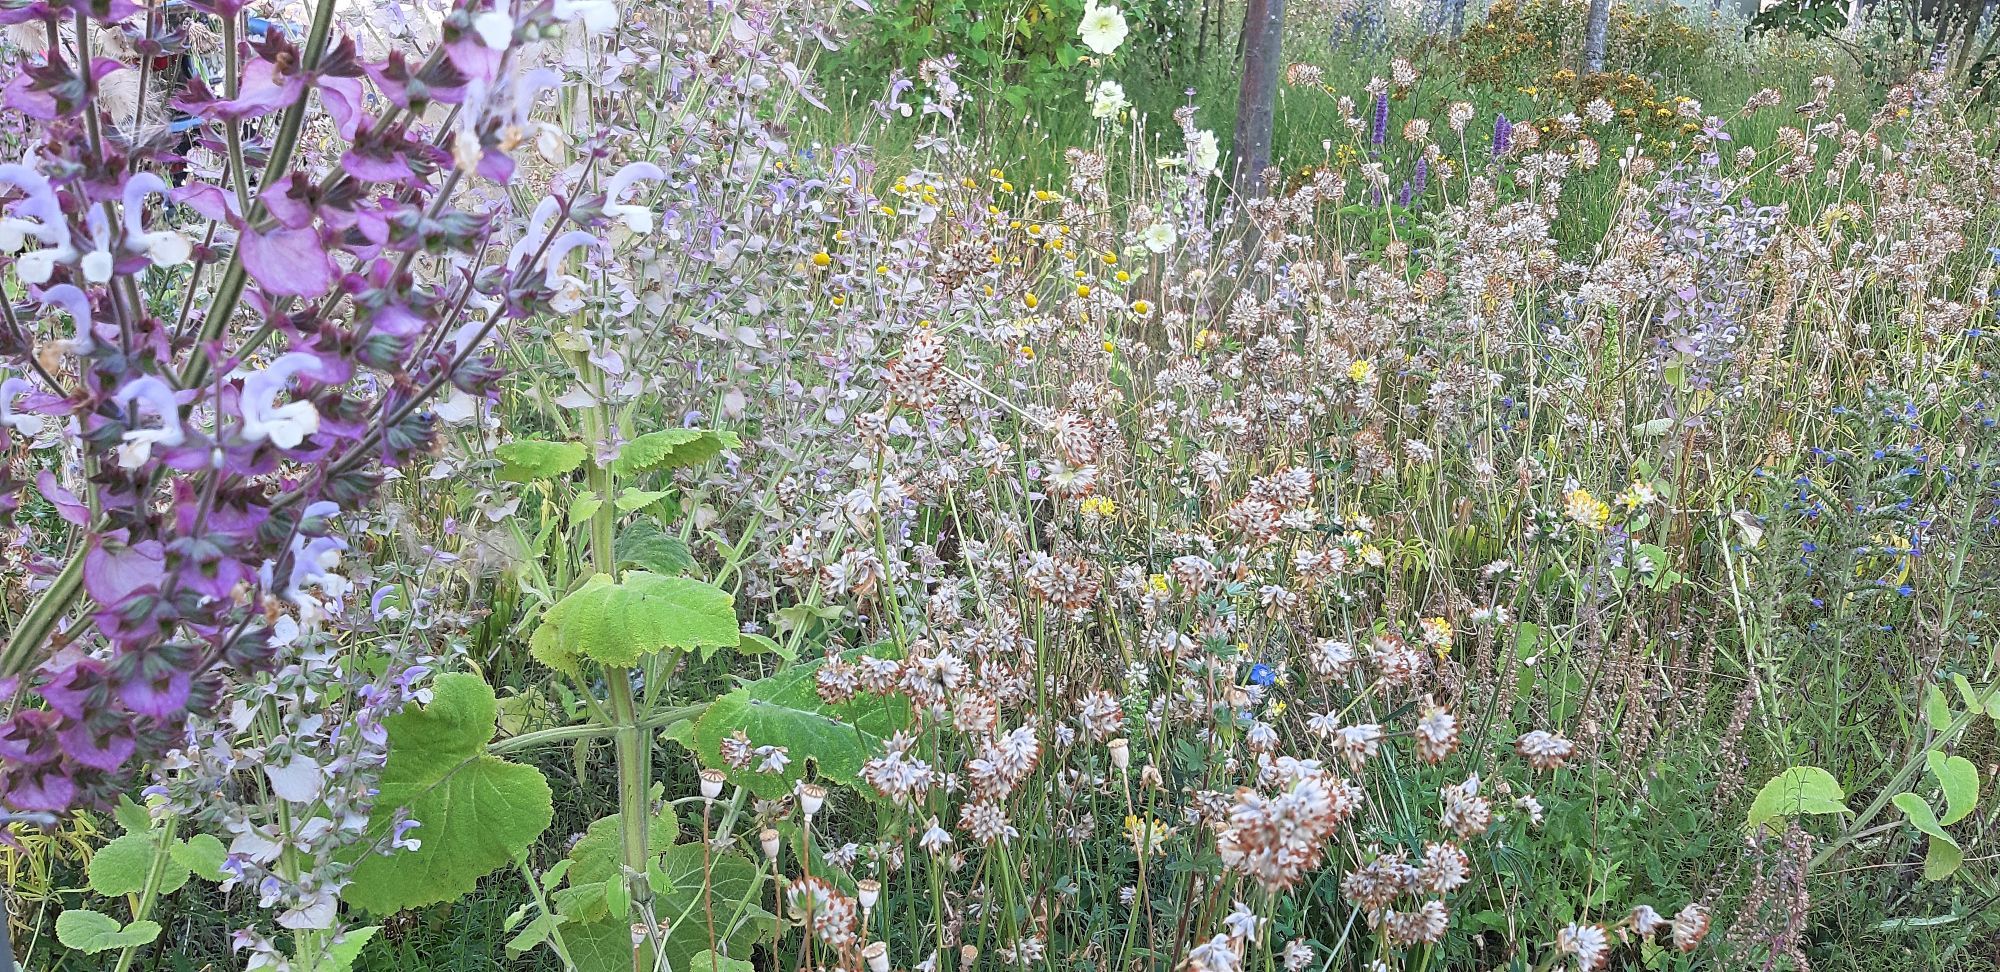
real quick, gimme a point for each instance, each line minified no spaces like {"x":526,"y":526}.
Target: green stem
{"x":542,"y":737}
{"x":156,"y":875}
{"x":631,"y":738}
{"x":41,"y":619}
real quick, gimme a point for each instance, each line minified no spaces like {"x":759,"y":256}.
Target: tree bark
{"x":1257,"y":95}
{"x":1595,"y":26}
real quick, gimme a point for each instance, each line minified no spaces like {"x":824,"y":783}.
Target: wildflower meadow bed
{"x":729,"y":485}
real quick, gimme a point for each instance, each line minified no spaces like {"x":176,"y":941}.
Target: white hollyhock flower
{"x":1159,"y":237}
{"x":1103,"y":28}
{"x":1108,"y":99}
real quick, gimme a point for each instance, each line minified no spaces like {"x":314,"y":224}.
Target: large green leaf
{"x":1943,"y":855}
{"x":786,"y":710}
{"x":1799,"y":790}
{"x":526,"y":460}
{"x":707,"y":961}
{"x":618,"y":623}
{"x":476,"y":811}
{"x":340,"y":956}
{"x":649,"y":548}
{"x":597,"y":853}
{"x":1959,"y":779}
{"x":600,"y":943}
{"x":90,"y":932}
{"x":121,"y":866}
{"x":671,"y":449}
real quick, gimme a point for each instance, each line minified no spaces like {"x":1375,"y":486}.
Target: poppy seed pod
{"x":877,"y":955}
{"x":770,"y":839}
{"x":869,"y":891}
{"x":812,"y":796}
{"x":711,"y":783}
{"x":1121,"y":753}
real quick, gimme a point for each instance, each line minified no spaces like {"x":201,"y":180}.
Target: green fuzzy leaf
{"x":638,"y":499}
{"x":584,"y":506}
{"x":671,"y":449}
{"x":526,"y":460}
{"x":202,"y":854}
{"x":534,"y":934}
{"x":603,"y":944}
{"x":598,"y":853}
{"x":1959,"y":779}
{"x":786,"y":710}
{"x":1799,"y":790}
{"x":340,"y":956}
{"x":120,"y":867}
{"x":1937,"y":709}
{"x":651,"y":549}
{"x":756,"y":644}
{"x":707,"y":961}
{"x":477,"y":812}
{"x":616,"y":624}
{"x":131,"y":816}
{"x":89,"y":932}
{"x":1943,"y":855}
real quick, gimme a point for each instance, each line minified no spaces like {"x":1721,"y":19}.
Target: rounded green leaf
{"x":1943,"y":855}
{"x":202,"y":854}
{"x":476,"y":812}
{"x":120,"y":867}
{"x":671,"y":449}
{"x":734,"y":888}
{"x":707,"y":961}
{"x":786,"y":710}
{"x":597,"y":853}
{"x":1799,"y":790}
{"x":1959,"y":779}
{"x":89,"y":932}
{"x":648,"y":548}
{"x":526,"y":460}
{"x":617,"y":623}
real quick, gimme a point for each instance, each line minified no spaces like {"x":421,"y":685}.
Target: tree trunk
{"x":1595,"y":26}
{"x":1256,"y":99}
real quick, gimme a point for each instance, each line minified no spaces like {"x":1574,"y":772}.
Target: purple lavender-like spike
{"x":1503,"y":136}
{"x":1380,"y":133}
{"x":1423,"y":174}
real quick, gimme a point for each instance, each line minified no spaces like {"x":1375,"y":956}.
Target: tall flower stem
{"x":630,"y":735}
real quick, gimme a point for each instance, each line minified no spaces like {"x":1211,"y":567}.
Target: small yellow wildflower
{"x":1360,"y":371}
{"x":1098,"y":506}
{"x":1148,"y":837}
{"x":1436,"y":633}
{"x":1637,"y":495}
{"x":1588,"y":511}
{"x":1083,"y":290}
{"x":1141,"y":307}
{"x":822,"y":259}
{"x":1028,"y":352}
{"x":1031,"y":300}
